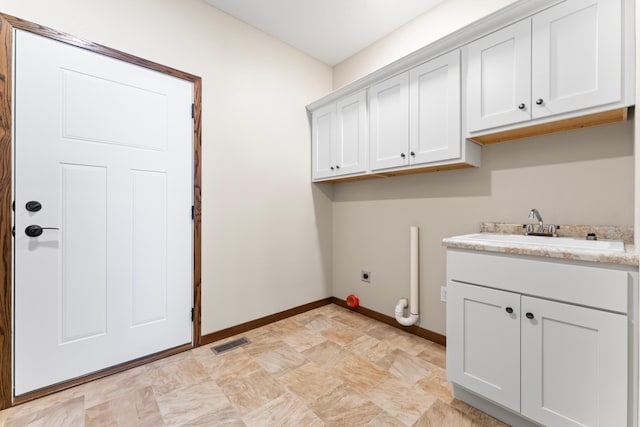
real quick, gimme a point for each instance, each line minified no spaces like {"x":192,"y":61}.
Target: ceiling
{"x":329,"y":30}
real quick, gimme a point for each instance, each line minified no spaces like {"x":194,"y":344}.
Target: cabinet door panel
{"x":323,"y":141}
{"x":498,"y":77}
{"x":351,"y":134}
{"x":483,"y":342}
{"x":576,"y":56}
{"x":389,"y":122}
{"x":574,"y":364}
{"x":434,"y":93}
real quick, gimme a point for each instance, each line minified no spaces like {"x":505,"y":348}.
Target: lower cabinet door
{"x":574,"y":365}
{"x":483,"y":342}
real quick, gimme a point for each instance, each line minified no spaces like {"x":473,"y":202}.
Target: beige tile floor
{"x":325,"y":367}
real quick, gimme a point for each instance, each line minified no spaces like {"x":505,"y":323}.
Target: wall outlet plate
{"x":443,"y":293}
{"x":365,"y":276}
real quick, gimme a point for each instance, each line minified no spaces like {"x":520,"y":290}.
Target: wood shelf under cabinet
{"x":399,"y":172}
{"x":596,"y":119}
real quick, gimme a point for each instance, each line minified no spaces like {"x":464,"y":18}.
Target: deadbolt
{"x":33,"y":206}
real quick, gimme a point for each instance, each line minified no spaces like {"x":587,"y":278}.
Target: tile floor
{"x":325,"y":367}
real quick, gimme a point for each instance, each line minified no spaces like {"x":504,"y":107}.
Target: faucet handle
{"x":553,"y":230}
{"x":528,"y":229}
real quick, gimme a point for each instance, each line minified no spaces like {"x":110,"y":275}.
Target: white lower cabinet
{"x":574,"y":364}
{"x":483,"y":342}
{"x":551,"y":363}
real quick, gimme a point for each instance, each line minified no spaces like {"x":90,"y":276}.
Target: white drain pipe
{"x":414,"y":277}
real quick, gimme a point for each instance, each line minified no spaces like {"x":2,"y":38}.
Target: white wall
{"x":266,"y":229}
{"x":579,"y":177}
{"x":442,"y":20}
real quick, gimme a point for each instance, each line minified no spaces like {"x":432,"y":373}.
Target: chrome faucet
{"x":534,"y":214}
{"x":530,"y":230}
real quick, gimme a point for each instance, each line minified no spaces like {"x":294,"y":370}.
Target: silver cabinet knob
{"x":539,"y":101}
{"x":521,"y":107}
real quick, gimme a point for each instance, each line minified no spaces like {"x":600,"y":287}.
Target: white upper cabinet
{"x":576,"y":56}
{"x":389,"y":122}
{"x":434,"y":110}
{"x":499,"y":78}
{"x":351,"y":140}
{"x":323,"y":127}
{"x":339,"y":137}
{"x":415,"y":116}
{"x":564,"y":59}
{"x":532,"y":68}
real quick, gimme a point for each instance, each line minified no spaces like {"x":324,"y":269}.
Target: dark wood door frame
{"x":7,"y":25}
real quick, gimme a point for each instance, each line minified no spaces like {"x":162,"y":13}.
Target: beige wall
{"x":444,"y":19}
{"x":579,"y":177}
{"x":266,"y":229}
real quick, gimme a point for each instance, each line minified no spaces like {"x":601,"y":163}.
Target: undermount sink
{"x":557,"y":242}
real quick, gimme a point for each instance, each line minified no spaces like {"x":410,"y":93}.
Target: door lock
{"x":33,"y":206}
{"x":36,"y":230}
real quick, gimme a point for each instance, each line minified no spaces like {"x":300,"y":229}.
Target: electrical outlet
{"x":365,"y":276}
{"x":443,"y":293}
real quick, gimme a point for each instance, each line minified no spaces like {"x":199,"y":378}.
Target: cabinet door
{"x":576,"y":56}
{"x":389,"y":122}
{"x":499,"y":78}
{"x":574,"y":365}
{"x":323,"y":139}
{"x":434,"y":94}
{"x":483,"y":342}
{"x":351,"y":114}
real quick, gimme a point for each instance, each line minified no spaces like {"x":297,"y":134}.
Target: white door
{"x":323,"y":128}
{"x":499,"y":78}
{"x":434,"y":93}
{"x":389,"y":122}
{"x":576,"y":56}
{"x":105,"y":148}
{"x":351,"y":139}
{"x":483,"y":342}
{"x":574,"y":365}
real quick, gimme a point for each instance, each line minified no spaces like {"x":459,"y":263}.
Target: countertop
{"x":629,"y":257}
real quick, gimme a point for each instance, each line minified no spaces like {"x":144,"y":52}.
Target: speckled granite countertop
{"x":628,"y":257}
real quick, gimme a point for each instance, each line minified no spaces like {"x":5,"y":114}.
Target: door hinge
{"x":193,"y":212}
{"x":193,"y":111}
{"x":192,"y":315}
